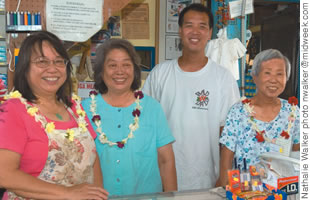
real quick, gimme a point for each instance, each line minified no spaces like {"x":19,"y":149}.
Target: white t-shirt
{"x":196,"y":105}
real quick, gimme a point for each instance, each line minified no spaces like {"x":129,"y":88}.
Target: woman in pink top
{"x":47,"y":148}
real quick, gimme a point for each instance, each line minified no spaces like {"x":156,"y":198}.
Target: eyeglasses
{"x":44,"y":62}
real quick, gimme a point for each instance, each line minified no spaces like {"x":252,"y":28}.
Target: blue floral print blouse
{"x":239,"y":137}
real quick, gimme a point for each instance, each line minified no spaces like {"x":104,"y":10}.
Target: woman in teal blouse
{"x":134,"y":139}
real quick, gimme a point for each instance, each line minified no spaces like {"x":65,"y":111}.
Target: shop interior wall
{"x":276,"y":25}
{"x":157,"y":20}
{"x":14,"y":39}
{"x":162,"y":28}
{"x":152,"y":41}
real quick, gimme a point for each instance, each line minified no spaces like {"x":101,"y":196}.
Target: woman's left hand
{"x":86,"y":191}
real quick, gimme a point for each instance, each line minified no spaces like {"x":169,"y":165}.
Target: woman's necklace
{"x":261,"y":135}
{"x":59,"y":116}
{"x":50,"y":127}
{"x":132,"y":127}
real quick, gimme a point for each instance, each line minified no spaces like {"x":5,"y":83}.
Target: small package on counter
{"x":281,"y":172}
{"x":266,"y":194}
{"x":255,"y":188}
{"x":274,"y":177}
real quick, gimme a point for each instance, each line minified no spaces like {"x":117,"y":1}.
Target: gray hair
{"x":268,"y":55}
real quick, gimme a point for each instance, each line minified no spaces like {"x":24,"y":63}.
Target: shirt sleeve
{"x":13,"y":132}
{"x":147,"y":86}
{"x":90,"y":128}
{"x":229,"y":134}
{"x":296,"y":127}
{"x":231,"y":95}
{"x":151,"y":85}
{"x":85,"y":105}
{"x":163,"y":133}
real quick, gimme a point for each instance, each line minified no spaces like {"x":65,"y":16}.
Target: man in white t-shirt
{"x":196,"y":95}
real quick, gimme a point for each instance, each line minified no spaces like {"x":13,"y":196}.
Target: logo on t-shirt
{"x":202,"y":100}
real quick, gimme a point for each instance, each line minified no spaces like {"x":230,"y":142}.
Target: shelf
{"x":255,"y":29}
{"x":23,"y":28}
{"x":3,"y":68}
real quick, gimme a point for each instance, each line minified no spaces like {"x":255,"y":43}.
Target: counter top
{"x":202,"y":194}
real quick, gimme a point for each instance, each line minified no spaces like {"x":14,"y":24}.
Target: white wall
{"x":162,"y":29}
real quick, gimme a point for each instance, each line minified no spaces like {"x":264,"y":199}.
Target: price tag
{"x":285,"y":144}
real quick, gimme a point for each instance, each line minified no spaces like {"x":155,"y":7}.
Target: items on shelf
{"x":23,"y":21}
{"x":256,"y":182}
{"x":2,"y":22}
{"x":3,"y":89}
{"x":245,"y":177}
{"x":254,"y":188}
{"x":16,"y":53}
{"x":250,"y":87}
{"x":3,"y":59}
{"x":222,"y":14}
{"x":3,"y":81}
{"x":275,"y":177}
{"x":2,"y":5}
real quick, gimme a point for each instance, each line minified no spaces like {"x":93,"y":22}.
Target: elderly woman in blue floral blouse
{"x":264,"y":123}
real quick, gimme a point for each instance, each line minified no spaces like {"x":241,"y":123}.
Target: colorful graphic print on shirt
{"x":202,"y":100}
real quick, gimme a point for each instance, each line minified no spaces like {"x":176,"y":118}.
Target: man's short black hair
{"x":199,"y":8}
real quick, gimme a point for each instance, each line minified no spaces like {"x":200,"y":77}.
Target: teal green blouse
{"x":132,"y":169}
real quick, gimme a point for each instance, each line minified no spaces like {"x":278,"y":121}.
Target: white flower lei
{"x":50,"y":127}
{"x":103,"y":137}
{"x":250,"y":110}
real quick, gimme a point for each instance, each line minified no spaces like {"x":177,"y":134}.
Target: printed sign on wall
{"x":75,"y":20}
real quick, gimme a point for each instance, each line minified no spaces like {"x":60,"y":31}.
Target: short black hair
{"x":31,"y":44}
{"x":199,"y":8}
{"x":101,"y":54}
